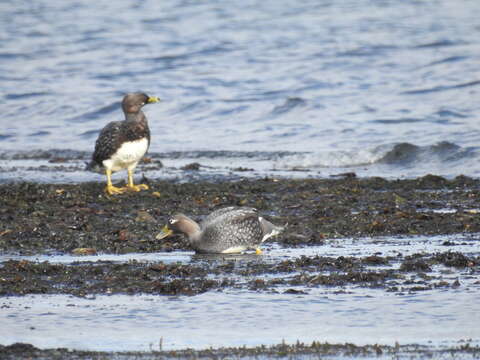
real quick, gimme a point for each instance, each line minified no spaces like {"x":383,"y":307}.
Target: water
{"x":355,"y":247}
{"x":438,"y":317}
{"x":377,"y":87}
{"x":308,"y":88}
{"x":125,"y":323}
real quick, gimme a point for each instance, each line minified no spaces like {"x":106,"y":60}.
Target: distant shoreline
{"x":280,"y":351}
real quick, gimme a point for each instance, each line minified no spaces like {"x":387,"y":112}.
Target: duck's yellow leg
{"x":110,"y":189}
{"x":131,"y":186}
{"x":258,"y":251}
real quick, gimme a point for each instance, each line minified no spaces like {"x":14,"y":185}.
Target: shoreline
{"x":279,"y":351}
{"x":65,"y":219}
{"x":76,"y":220}
{"x":58,"y":218}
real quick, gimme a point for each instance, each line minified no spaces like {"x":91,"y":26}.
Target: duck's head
{"x":132,"y":103}
{"x":179,"y":224}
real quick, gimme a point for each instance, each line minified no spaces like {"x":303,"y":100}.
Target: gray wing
{"x":236,"y":227}
{"x":234,"y":210}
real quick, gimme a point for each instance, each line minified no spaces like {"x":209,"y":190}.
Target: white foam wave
{"x":329,"y":159}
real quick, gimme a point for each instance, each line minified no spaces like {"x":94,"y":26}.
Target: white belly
{"x":234,"y":249}
{"x":127,"y":156}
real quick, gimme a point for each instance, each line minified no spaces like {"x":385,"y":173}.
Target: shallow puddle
{"x":272,"y":252}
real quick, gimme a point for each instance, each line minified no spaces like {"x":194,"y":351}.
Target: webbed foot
{"x":139,"y":187}
{"x":113,"y":190}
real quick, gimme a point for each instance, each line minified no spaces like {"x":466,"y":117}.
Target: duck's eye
{"x":171,"y":221}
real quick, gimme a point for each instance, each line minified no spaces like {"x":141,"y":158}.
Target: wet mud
{"x":20,"y":277}
{"x":82,"y":219}
{"x":45,"y":218}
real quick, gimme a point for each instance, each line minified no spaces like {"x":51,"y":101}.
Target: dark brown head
{"x":132,"y":103}
{"x":180,"y":224}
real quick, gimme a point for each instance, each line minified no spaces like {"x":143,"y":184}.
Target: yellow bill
{"x":153,"y":99}
{"x":166,"y":232}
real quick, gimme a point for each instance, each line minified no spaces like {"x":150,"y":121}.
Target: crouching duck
{"x":225,"y":231}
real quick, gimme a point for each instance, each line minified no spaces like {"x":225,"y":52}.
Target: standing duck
{"x":121,"y":144}
{"x":224,"y":231}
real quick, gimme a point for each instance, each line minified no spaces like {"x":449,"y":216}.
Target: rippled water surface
{"x":378,"y":87}
{"x":307,"y":88}
{"x":142,"y":323}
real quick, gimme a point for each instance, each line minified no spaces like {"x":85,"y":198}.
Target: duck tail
{"x":270,"y":229}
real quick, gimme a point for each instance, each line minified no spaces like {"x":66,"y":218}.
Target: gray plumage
{"x":227,"y":230}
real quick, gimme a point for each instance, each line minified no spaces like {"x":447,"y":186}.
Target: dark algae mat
{"x":281,"y":351}
{"x":81,"y":219}
{"x":43,"y":218}
{"x":75,"y":220}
